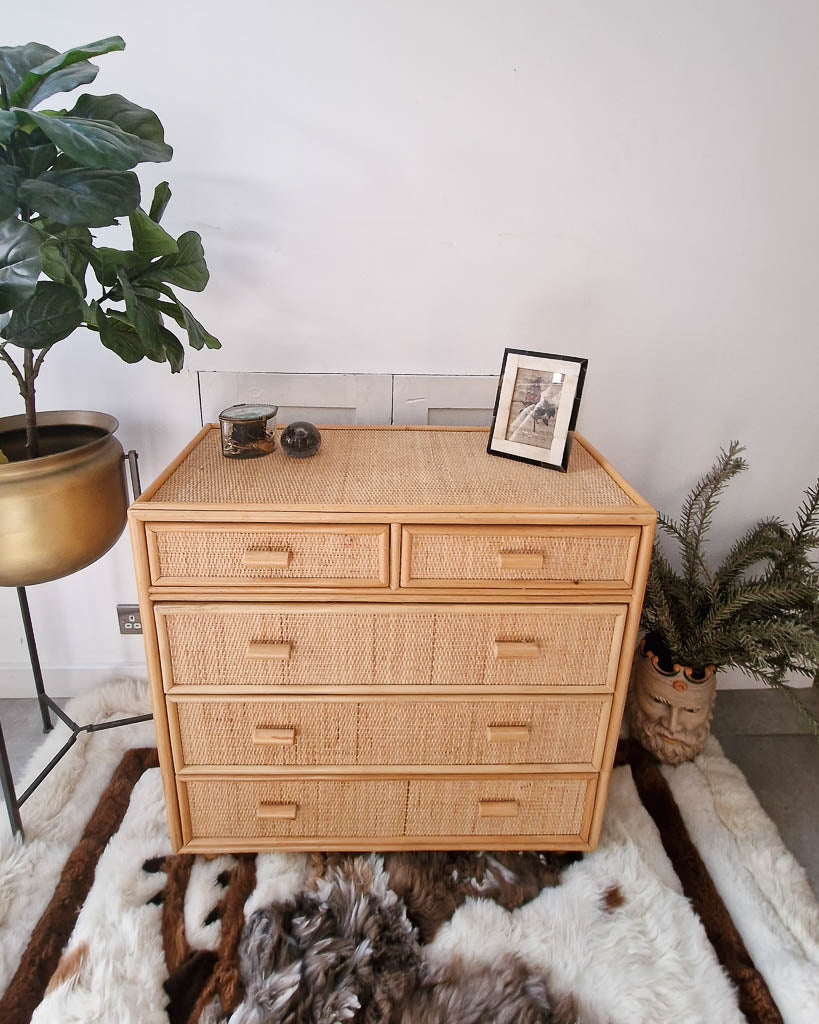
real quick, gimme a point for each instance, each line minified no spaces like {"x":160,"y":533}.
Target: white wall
{"x":402,"y":187}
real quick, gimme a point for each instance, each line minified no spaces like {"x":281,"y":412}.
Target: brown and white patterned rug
{"x":690,"y":910}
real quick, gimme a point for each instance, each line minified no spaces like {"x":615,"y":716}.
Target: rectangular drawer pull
{"x":497,"y":808}
{"x":274,"y":737}
{"x":267,"y":559}
{"x":520,"y":560}
{"x":507,"y":733}
{"x":269,"y":652}
{"x":276,"y":812}
{"x":515,"y":650}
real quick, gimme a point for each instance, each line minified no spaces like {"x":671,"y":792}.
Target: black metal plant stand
{"x":13,"y":801}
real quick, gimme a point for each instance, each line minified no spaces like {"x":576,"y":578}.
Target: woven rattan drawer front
{"x":354,"y":647}
{"x":263,"y":732}
{"x":559,"y":731}
{"x":491,"y":556}
{"x":547,"y":806}
{"x":307,"y":808}
{"x":198,"y":554}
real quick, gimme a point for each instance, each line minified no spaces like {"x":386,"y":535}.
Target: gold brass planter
{"x":63,"y":510}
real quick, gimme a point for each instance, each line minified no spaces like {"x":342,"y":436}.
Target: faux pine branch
{"x":758,"y":610}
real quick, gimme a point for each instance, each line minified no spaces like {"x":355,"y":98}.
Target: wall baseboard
{"x":61,"y":681}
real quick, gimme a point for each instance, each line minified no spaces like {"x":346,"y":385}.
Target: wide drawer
{"x":354,"y":647}
{"x":562,"y":732}
{"x":256,"y":810}
{"x":198,"y":554}
{"x":491,"y":556}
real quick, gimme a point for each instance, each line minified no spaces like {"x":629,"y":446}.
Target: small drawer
{"x":562,"y":732}
{"x":353,"y":647}
{"x":294,"y":808}
{"x":554,"y":806}
{"x":198,"y":554}
{"x":523,"y":556}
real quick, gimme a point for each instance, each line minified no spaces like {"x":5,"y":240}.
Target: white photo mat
{"x":571,"y":374}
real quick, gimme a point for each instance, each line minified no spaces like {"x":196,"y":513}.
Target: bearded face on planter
{"x":670,"y":711}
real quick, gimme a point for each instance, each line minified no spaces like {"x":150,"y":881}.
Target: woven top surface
{"x":370,"y":469}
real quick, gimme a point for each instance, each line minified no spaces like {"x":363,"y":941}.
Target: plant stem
{"x":29,"y":373}
{"x":13,"y":367}
{"x":31,"y":367}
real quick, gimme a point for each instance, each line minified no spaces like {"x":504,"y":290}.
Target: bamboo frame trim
{"x":445,"y":773}
{"x":372,"y":771}
{"x":629,"y":639}
{"x":376,"y":607}
{"x":378,"y":844}
{"x":406,"y":595}
{"x":347,"y":697}
{"x":161,"y":724}
{"x":284,"y":692}
{"x":510,"y":517}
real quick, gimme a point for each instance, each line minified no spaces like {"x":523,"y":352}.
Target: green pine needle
{"x":759,"y":609}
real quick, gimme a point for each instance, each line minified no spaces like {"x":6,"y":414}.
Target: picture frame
{"x":536,"y":407}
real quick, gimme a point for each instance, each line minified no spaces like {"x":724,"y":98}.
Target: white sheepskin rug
{"x":609,"y":938}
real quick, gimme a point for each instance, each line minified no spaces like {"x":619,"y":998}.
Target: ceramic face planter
{"x":670,"y":712}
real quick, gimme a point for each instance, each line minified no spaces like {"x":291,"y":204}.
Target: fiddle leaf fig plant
{"x":62,"y":173}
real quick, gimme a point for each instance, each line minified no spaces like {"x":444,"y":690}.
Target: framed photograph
{"x":536,"y":407}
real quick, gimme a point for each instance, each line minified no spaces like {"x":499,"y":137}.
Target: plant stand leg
{"x":13,"y":802}
{"x":35,"y":659}
{"x":9,"y":794}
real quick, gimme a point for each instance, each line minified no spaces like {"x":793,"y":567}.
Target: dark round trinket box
{"x":300,"y":440}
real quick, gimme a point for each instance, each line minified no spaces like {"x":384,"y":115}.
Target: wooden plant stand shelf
{"x":401,"y":643}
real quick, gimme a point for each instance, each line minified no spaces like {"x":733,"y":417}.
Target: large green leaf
{"x":90,"y":143}
{"x":36,"y":151}
{"x":105,"y":262}
{"x":9,"y":177}
{"x":162,"y":196}
{"x":186,"y":268}
{"x":143,"y":319}
{"x":61,"y":72}
{"x":20,"y":264}
{"x":150,"y":240}
{"x":51,"y":314}
{"x":8,"y":125}
{"x":75,"y":242}
{"x":57,"y":267}
{"x":198,"y":336}
{"x":83,"y":196}
{"x":135,"y":120}
{"x":117,"y":336}
{"x":174,"y":349}
{"x":171,"y":309}
{"x":17,"y":61}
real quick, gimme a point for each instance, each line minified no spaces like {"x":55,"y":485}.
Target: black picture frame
{"x":565,"y":416}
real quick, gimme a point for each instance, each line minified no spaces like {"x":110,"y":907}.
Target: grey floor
{"x":759,"y":730}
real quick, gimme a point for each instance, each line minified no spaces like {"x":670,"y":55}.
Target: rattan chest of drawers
{"x":402,"y":643}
